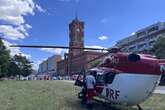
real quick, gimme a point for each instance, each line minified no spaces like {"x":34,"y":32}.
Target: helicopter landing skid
{"x":139,"y":107}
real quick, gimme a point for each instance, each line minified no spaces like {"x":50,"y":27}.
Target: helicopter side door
{"x":103,"y":82}
{"x":100,"y":83}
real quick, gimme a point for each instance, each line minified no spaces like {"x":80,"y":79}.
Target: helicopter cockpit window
{"x":133,"y":57}
{"x":100,"y":79}
{"x":109,"y":77}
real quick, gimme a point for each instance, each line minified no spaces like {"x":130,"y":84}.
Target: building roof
{"x":84,"y":53}
{"x":131,"y":38}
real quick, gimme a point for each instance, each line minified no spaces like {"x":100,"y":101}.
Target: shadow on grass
{"x":99,"y":106}
{"x":102,"y":106}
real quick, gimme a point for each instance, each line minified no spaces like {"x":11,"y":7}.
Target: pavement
{"x":160,"y":90}
{"x":69,"y":81}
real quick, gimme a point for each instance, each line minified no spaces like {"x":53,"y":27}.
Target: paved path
{"x":69,"y":81}
{"x":160,"y":90}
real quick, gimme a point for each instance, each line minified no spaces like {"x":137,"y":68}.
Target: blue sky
{"x":110,"y":20}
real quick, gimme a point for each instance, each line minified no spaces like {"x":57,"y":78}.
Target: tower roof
{"x":76,"y":19}
{"x":76,"y":16}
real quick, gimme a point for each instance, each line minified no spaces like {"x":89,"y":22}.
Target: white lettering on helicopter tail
{"x":162,"y":68}
{"x":113,"y":59}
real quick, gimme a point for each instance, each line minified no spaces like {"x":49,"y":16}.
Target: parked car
{"x":54,"y":78}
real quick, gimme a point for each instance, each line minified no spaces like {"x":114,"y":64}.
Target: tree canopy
{"x":4,"y":59}
{"x":159,"y":51}
{"x":12,"y":66}
{"x":23,"y":64}
{"x":159,"y":48}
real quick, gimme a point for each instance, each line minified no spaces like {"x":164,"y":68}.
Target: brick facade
{"x":76,"y":60}
{"x":78,"y":64}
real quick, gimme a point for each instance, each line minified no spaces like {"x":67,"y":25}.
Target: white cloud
{"x":40,"y":9}
{"x":12,"y":23}
{"x":36,"y":64}
{"x":12,"y":11}
{"x":28,"y":26}
{"x":10,"y":32}
{"x":15,"y":20}
{"x":97,"y":47}
{"x":54,"y":51}
{"x":103,"y":37}
{"x":12,"y":14}
{"x":15,"y":50}
{"x":104,"y":20}
{"x":133,"y":33}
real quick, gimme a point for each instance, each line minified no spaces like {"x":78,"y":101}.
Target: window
{"x":109,"y":77}
{"x":105,"y":78}
{"x":153,"y":29}
{"x":141,"y":33}
{"x":100,"y":79}
{"x":132,"y":48}
{"x":141,"y":46}
{"x":133,"y":57}
{"x":151,"y":43}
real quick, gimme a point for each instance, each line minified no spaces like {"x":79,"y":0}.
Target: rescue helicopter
{"x":122,"y":78}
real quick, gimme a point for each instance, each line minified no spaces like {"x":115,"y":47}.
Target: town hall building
{"x":76,"y":61}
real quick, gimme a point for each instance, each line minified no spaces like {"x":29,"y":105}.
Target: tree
{"x":24,"y":65}
{"x":13,"y":69}
{"x":4,"y":59}
{"x":159,"y":48}
{"x":159,"y":51}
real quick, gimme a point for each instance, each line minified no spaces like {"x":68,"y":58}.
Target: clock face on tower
{"x":78,"y":30}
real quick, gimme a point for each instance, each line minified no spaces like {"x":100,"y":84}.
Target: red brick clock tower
{"x":76,"y":39}
{"x":76,"y":36}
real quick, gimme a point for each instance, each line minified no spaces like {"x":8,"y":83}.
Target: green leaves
{"x":159,"y":48}
{"x":4,"y":59}
{"x":23,"y":64}
{"x":18,"y":65}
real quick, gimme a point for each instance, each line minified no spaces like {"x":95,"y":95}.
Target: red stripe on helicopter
{"x":147,"y":64}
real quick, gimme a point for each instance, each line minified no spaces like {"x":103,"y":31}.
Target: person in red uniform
{"x":90,"y":85}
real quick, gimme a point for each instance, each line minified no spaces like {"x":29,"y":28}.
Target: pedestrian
{"x":90,"y":85}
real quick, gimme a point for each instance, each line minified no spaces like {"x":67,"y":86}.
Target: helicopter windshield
{"x":105,"y":78}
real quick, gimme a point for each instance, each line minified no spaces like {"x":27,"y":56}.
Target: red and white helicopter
{"x":124,"y":78}
{"x":128,"y":79}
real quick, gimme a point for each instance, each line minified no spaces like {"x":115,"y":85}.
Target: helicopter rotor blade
{"x":110,"y":50}
{"x":105,"y":54}
{"x":63,"y":47}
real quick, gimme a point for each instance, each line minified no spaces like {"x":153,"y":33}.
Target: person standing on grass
{"x":90,"y":84}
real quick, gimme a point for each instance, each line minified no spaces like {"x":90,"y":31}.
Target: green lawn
{"x":52,"y":95}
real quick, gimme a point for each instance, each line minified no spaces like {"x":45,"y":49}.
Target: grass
{"x":53,"y":95}
{"x":37,"y":95}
